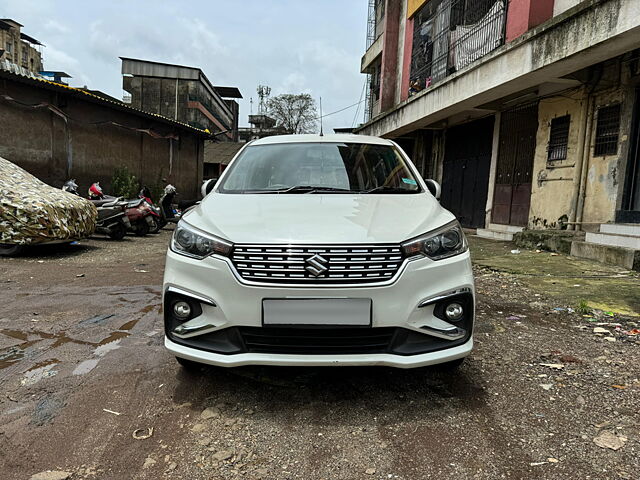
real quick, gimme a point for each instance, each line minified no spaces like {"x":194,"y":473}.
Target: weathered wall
{"x":605,"y":172}
{"x":560,"y":6}
{"x":87,"y":147}
{"x":552,"y":185}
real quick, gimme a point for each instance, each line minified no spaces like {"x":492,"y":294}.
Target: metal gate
{"x":465,"y":175}
{"x":512,"y":196}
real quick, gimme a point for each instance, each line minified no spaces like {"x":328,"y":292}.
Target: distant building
{"x":182,"y":93}
{"x":217,"y":156}
{"x":262,"y":125}
{"x":56,"y":132}
{"x":19,"y":52}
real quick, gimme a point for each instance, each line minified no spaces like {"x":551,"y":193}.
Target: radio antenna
{"x":321,"y":133}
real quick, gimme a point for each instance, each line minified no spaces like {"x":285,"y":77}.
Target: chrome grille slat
{"x":288,"y":264}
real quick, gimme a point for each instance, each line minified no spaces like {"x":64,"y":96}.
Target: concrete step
{"x":494,"y":235}
{"x":497,"y":227}
{"x":613,"y":240}
{"x":632,"y":229}
{"x":620,"y":256}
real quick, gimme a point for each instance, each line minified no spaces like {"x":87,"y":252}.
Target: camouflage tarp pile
{"x":34,"y":212}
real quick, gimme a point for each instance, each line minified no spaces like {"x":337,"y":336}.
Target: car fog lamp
{"x":182,"y":310}
{"x":454,"y":311}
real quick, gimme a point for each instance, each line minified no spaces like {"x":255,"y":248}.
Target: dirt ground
{"x":87,"y":388}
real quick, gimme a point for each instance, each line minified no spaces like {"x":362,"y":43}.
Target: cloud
{"x":293,"y":46}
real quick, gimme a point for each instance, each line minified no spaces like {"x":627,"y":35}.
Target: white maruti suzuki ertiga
{"x":319,"y":250}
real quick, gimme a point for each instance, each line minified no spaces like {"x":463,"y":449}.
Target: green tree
{"x":296,"y":113}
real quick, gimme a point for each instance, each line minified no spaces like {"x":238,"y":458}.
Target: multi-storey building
{"x":527,"y":111}
{"x":182,"y":93}
{"x":18,"y":51}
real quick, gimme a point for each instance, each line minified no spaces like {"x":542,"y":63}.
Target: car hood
{"x":318,"y":218}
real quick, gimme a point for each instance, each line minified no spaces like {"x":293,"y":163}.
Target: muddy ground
{"x":87,"y":388}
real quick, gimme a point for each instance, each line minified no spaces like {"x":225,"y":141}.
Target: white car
{"x":319,"y":251}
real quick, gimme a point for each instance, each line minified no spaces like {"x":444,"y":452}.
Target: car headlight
{"x":441,"y":243}
{"x":190,"y":241}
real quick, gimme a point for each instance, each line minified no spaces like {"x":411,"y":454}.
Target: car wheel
{"x":155,"y":226}
{"x":7,"y":250}
{"x":142,"y":228}
{"x":189,"y":365}
{"x":117,"y":231}
{"x":451,"y":366}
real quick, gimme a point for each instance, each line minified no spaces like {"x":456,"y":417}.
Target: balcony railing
{"x":448,"y":35}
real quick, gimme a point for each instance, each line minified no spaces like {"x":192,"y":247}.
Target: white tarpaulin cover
{"x":470,"y":42}
{"x":33,"y":212}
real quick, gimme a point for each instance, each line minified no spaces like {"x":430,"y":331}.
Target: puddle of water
{"x":34,"y":375}
{"x":86,"y":366}
{"x":52,"y":361}
{"x":129,"y":325}
{"x":147,"y":309}
{"x":103,"y":349}
{"x":96,"y":320}
{"x":112,"y":338}
{"x":17,"y":334}
{"x":13,"y":355}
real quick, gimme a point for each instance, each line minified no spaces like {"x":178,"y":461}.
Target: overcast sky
{"x":293,"y":46}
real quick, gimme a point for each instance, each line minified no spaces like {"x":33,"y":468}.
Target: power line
{"x":364,"y":86}
{"x":338,"y":111}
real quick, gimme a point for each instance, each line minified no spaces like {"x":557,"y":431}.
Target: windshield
{"x":319,"y":167}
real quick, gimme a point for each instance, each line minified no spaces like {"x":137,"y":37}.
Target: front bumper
{"x":230,"y":312}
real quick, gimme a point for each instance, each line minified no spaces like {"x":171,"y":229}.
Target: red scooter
{"x":142,"y":217}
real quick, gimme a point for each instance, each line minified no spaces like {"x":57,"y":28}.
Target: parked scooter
{"x":142,"y":219}
{"x":112,"y":220}
{"x":145,"y":194}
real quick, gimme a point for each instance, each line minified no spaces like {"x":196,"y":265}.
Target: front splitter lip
{"x":377,"y":359}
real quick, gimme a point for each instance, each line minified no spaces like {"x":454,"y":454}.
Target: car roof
{"x":315,"y":138}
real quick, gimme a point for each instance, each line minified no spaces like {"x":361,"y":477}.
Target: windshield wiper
{"x":305,"y":189}
{"x":388,"y":189}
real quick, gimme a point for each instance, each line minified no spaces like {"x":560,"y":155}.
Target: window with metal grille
{"x":448,"y":35}
{"x":607,"y":130}
{"x":558,"y":138}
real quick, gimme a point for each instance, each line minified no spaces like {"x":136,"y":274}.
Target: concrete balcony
{"x":533,"y":64}
{"x":372,"y":54}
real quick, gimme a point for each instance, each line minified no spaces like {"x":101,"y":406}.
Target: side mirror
{"x":207,"y":186}
{"x":434,"y":188}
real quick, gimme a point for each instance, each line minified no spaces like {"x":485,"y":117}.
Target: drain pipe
{"x":584,"y":112}
{"x":586,"y":153}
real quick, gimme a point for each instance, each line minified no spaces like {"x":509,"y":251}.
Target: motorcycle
{"x":168,"y":212}
{"x":145,"y":194}
{"x":142,"y":219}
{"x":112,"y":220}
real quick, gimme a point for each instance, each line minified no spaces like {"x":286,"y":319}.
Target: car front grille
{"x":311,"y":341}
{"x":313,"y":265}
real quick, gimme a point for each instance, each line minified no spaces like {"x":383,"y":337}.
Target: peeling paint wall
{"x":552,"y":182}
{"x":555,"y":186}
{"x":605,"y":172}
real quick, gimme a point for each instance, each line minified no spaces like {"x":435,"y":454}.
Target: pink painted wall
{"x":523,"y":15}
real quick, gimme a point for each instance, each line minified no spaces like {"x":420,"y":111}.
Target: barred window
{"x":559,"y":138}
{"x":607,"y":130}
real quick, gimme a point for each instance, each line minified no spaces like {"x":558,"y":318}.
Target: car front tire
{"x":189,"y":365}
{"x":8,"y":250}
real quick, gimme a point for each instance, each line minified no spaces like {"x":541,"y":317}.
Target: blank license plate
{"x":317,"y":311}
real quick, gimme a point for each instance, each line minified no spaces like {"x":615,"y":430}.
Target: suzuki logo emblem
{"x":316,"y":265}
